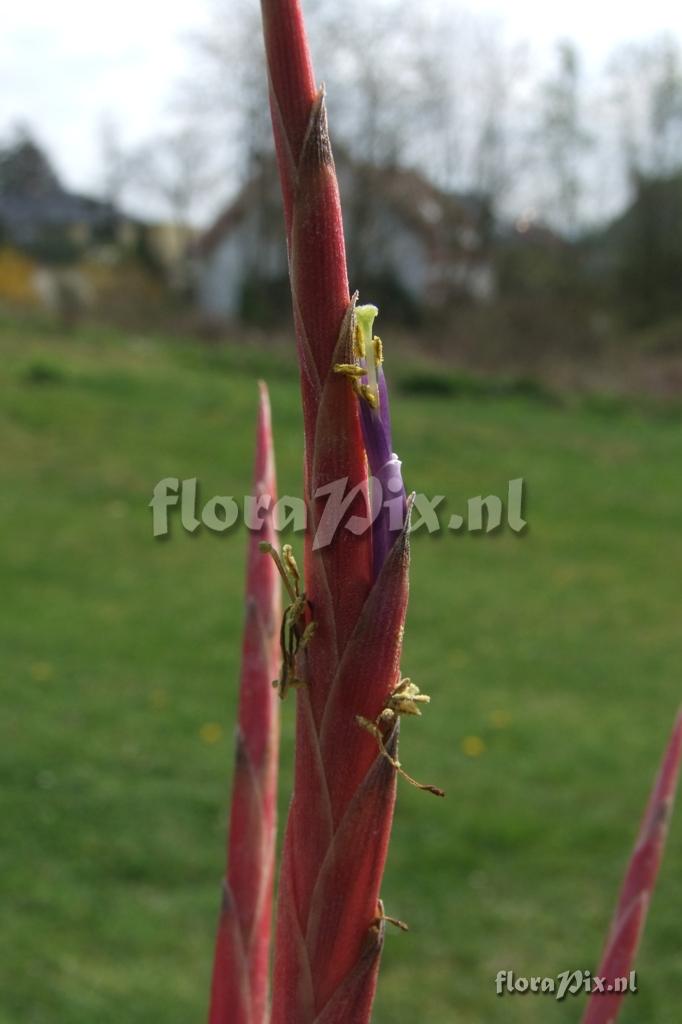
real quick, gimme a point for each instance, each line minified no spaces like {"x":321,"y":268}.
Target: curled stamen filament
{"x":374,"y":729}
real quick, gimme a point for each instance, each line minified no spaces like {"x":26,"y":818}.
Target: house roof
{"x":32,"y":198}
{"x":24,"y":216}
{"x":429,"y":211}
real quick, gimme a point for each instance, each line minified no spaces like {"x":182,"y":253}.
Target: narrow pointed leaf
{"x":640,"y":879}
{"x":239,"y":992}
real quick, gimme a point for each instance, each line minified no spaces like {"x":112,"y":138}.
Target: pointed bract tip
{"x":263,"y":400}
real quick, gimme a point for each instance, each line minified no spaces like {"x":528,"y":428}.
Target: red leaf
{"x":640,"y":879}
{"x":239,"y":993}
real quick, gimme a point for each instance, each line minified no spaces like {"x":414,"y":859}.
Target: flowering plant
{"x":340,"y":641}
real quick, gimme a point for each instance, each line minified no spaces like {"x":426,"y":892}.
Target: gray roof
{"x":24,"y":218}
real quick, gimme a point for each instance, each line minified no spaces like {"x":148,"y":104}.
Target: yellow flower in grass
{"x":210,"y":733}
{"x":42,"y":671}
{"x":499,"y":719}
{"x":158,"y":699}
{"x":473,"y":746}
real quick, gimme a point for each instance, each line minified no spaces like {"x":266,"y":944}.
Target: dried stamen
{"x":381,"y":916}
{"x":403,"y":700}
{"x":293,"y":635}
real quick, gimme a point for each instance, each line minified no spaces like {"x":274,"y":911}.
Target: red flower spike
{"x":330,"y":924}
{"x":239,"y":993}
{"x":640,"y":879}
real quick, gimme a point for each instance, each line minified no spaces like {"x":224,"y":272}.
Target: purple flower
{"x":375,"y":417}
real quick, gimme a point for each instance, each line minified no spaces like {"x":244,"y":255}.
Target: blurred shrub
{"x":42,"y":372}
{"x":461,"y":385}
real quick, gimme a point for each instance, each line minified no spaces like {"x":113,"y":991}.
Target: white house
{"x":409,"y":244}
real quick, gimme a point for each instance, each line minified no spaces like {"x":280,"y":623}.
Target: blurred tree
{"x":367,"y":52}
{"x":646,"y":105}
{"x":666,"y":110}
{"x":433,"y":88}
{"x":227,"y":92}
{"x":497,"y":158}
{"x":176,"y":168}
{"x":25,"y":169}
{"x":563,"y":139}
{"x":115,"y":161}
{"x":650,"y":253}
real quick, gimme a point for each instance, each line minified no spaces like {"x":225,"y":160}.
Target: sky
{"x":65,"y":67}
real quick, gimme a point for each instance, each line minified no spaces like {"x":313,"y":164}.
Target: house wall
{"x":220,"y":278}
{"x":482,"y":282}
{"x":379,"y":244}
{"x":240,"y":254}
{"x":434,"y":256}
{"x":399,"y":250}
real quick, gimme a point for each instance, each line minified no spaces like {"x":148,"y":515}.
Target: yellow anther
{"x":405,"y":698}
{"x":349,"y":370}
{"x":370,"y":396}
{"x":285,"y":686}
{"x":368,"y":347}
{"x":402,"y":700}
{"x":308,"y":634}
{"x":358,"y":343}
{"x":364,"y":322}
{"x":290,"y":561}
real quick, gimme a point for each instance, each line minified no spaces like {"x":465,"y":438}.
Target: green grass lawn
{"x":559,"y":649}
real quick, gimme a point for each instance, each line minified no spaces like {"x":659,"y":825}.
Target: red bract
{"x":239,"y":993}
{"x":628,"y":921}
{"x":330,"y":924}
